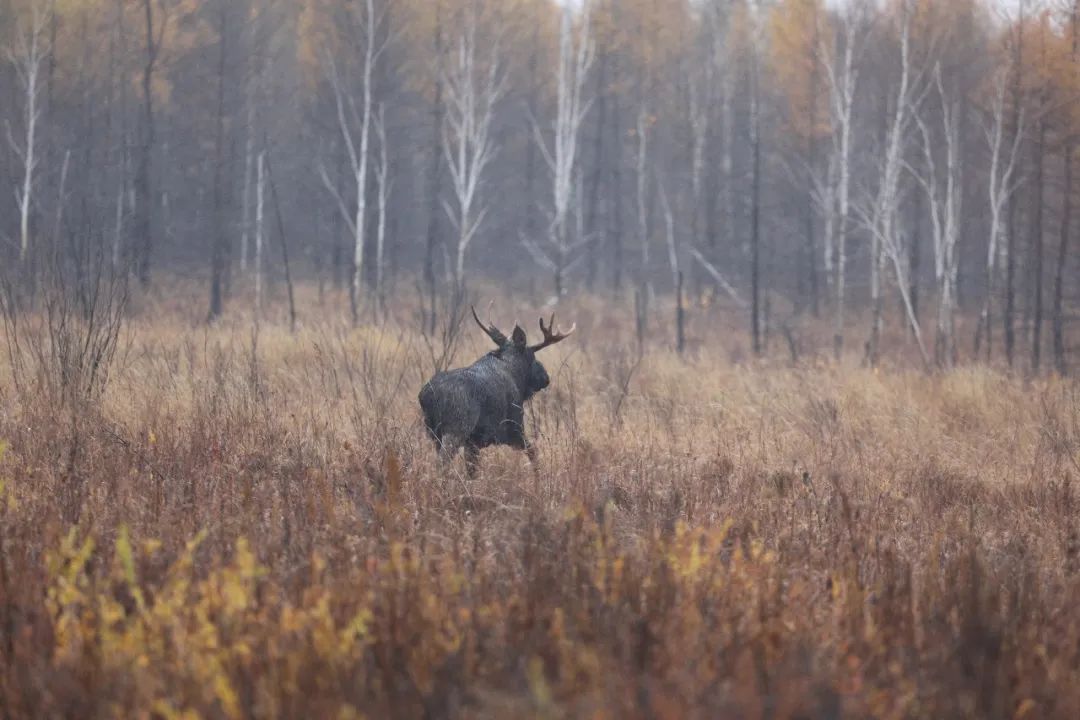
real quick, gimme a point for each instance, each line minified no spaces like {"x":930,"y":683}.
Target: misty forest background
{"x":883,"y":177}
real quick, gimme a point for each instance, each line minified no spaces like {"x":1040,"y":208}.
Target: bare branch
{"x":718,"y":277}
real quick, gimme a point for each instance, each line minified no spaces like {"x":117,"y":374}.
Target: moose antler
{"x":492,"y":332}
{"x":551,"y":335}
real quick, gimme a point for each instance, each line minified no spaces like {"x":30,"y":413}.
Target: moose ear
{"x":518,"y":337}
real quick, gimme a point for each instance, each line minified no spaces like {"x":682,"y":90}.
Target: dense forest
{"x":851,"y":168}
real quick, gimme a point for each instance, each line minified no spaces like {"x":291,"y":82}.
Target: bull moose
{"x":483,"y":404}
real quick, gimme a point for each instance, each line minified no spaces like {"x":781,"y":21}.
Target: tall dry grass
{"x":251,"y":524}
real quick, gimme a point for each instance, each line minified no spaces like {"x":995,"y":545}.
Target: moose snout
{"x":540,"y":379}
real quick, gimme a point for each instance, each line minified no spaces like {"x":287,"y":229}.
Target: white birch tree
{"x":473,"y":88}
{"x":385,"y":184}
{"x":879,"y":212}
{"x":576,"y":55}
{"x":357,"y":122}
{"x":28,"y":53}
{"x":670,"y":238}
{"x":945,"y":206}
{"x":1002,"y":182}
{"x":834,"y":194}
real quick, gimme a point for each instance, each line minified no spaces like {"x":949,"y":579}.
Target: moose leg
{"x":513,"y":434}
{"x":472,"y":459}
{"x":518,"y":440}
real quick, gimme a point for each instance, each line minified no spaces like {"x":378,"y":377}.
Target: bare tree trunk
{"x":382,"y":175}
{"x":144,"y":191}
{"x":260,"y":232}
{"x":755,"y":209}
{"x":338,"y":229}
{"x":31,"y":50}
{"x":915,"y":254}
{"x":596,"y":234}
{"x":1037,"y":248}
{"x":575,"y":59}
{"x":810,"y":259}
{"x":1008,"y":316}
{"x":249,"y":157}
{"x":118,"y":231}
{"x":1001,"y":186}
{"x":842,"y":86}
{"x":843,"y":211}
{"x":615,"y":197}
{"x":699,"y":106}
{"x":680,"y":316}
{"x":945,"y":210}
{"x":118,"y":50}
{"x":284,"y":240}
{"x":882,"y":218}
{"x":531,"y":210}
{"x":361,"y":165}
{"x":218,"y":260}
{"x":472,"y":93}
{"x":1010,"y":273}
{"x":1062,"y":261}
{"x":434,"y":172}
{"x":358,"y":152}
{"x":727,"y":157}
{"x":642,"y":195}
{"x":1066,"y":213}
{"x":670,"y":237}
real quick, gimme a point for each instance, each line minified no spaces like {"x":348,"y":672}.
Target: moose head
{"x":518,"y":352}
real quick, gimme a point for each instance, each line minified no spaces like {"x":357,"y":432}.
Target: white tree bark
{"x":1002,"y":182}
{"x":670,"y":237}
{"x":835,"y":196}
{"x":722,"y":281}
{"x":382,"y":175}
{"x":880,"y":218}
{"x":879,"y":213}
{"x":349,"y":118}
{"x":472,"y":92}
{"x":28,"y":55}
{"x":945,"y":204}
{"x":576,"y":56}
{"x":252,"y":101}
{"x":361,"y":167}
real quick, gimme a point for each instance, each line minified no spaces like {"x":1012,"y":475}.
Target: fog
{"x":839,"y":168}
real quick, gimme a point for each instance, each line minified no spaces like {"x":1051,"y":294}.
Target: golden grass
{"x":253,"y":525}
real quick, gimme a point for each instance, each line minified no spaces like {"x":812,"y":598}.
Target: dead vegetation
{"x":252,"y":525}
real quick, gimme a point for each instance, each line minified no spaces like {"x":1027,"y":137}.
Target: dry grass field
{"x":249,"y":523}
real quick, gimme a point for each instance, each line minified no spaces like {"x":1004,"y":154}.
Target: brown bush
{"x":261,"y":532}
